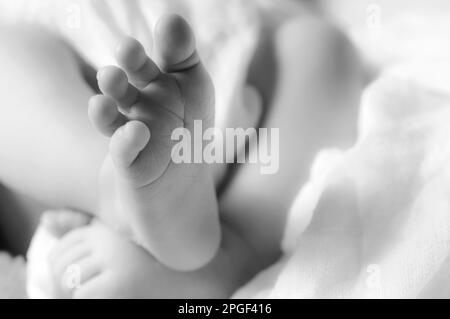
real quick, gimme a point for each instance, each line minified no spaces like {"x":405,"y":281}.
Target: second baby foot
{"x":171,"y":208}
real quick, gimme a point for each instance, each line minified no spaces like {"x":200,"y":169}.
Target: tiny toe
{"x":95,"y":288}
{"x":70,"y":259}
{"x":89,"y":268}
{"x":127,"y":142}
{"x":175,"y":43}
{"x":69,"y":240}
{"x":131,"y":56}
{"x":104,"y":114}
{"x":60,"y":222}
{"x":72,"y":276}
{"x":114,"y":82}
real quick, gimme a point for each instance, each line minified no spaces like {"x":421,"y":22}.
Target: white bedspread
{"x":380,"y":211}
{"x":12,"y":277}
{"x":374,"y":220}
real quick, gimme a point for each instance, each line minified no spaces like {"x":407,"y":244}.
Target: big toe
{"x":175,"y":43}
{"x":60,"y":222}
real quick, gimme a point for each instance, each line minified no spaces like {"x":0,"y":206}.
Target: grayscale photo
{"x":232,"y":150}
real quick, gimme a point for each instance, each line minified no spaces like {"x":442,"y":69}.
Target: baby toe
{"x":175,"y":43}
{"x":127,"y":142}
{"x":104,"y":115}
{"x":131,"y":56}
{"x":60,"y":222}
{"x":113,"y":82}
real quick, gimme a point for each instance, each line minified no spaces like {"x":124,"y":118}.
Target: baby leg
{"x":170,"y":206}
{"x":90,"y":260}
{"x":314,"y":106}
{"x":49,"y":149}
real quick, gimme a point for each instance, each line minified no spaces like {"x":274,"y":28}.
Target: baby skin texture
{"x":91,"y":260}
{"x":170,"y":209}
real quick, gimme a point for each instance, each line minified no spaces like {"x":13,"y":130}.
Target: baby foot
{"x":41,"y":279}
{"x":171,"y":208}
{"x":85,"y":263}
{"x":95,"y":261}
{"x":91,"y":260}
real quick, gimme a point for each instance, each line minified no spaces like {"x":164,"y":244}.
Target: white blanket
{"x":380,"y":211}
{"x":12,"y":277}
{"x":374,"y":220}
